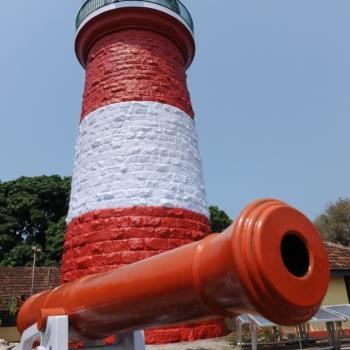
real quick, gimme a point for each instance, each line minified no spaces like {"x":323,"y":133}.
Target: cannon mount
{"x":56,"y":337}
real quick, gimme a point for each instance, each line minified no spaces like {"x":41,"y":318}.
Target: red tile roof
{"x":339,"y":256}
{"x":17,"y":282}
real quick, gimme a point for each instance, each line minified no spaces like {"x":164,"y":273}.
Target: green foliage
{"x":1,"y":301}
{"x":32,"y":213}
{"x":54,"y":242}
{"x":19,"y":255}
{"x":219,"y":219}
{"x":264,"y":335}
{"x":334,"y":222}
{"x":12,"y":307}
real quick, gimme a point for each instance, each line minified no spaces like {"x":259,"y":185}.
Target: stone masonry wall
{"x":110,"y":238}
{"x":137,"y":154}
{"x":135,"y":65}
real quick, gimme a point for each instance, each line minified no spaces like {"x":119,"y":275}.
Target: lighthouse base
{"x":106,"y":239}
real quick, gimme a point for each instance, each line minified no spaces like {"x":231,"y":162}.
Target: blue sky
{"x":270,"y":86}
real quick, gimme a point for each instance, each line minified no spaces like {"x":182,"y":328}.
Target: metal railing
{"x":175,"y":5}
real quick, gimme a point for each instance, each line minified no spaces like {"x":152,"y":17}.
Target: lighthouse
{"x":137,"y":185}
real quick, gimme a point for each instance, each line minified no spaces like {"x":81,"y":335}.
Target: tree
{"x":54,"y":242}
{"x":32,"y":212}
{"x":334,"y":222}
{"x":219,"y":219}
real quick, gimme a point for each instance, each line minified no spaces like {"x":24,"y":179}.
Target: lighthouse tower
{"x":137,"y":187}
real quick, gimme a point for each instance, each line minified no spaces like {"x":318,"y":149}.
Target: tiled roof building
{"x":17,"y":282}
{"x":339,"y":257}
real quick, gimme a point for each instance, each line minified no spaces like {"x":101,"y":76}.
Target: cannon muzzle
{"x":271,"y":261}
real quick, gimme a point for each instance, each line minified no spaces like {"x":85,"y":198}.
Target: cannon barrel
{"x":270,"y":261}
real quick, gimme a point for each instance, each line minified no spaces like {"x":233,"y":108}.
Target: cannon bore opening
{"x":295,"y":255}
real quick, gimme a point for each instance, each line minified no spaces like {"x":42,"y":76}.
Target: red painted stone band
{"x":135,"y":65}
{"x":104,"y":239}
{"x":101,"y":240}
{"x":121,"y":18}
{"x":211,"y":328}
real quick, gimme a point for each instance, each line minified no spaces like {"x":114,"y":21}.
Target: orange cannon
{"x":271,"y":261}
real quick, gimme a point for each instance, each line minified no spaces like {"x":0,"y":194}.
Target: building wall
{"x":336,"y":293}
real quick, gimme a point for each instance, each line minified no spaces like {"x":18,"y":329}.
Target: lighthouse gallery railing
{"x":175,"y":5}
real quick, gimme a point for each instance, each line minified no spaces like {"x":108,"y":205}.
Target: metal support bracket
{"x":56,"y":337}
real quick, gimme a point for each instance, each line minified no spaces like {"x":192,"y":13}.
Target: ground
{"x":211,"y":344}
{"x":223,"y":343}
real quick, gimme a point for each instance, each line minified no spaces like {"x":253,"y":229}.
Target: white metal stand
{"x":56,"y":337}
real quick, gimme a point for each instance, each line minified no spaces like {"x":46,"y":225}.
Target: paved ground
{"x":212,"y":344}
{"x":5,"y":347}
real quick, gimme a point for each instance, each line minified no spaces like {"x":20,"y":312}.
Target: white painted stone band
{"x":137,"y":154}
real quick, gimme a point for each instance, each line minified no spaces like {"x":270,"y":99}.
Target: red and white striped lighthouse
{"x":137,"y":186}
